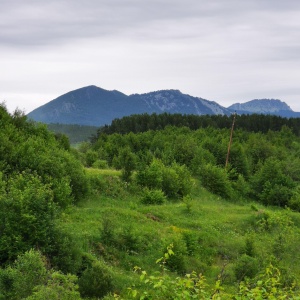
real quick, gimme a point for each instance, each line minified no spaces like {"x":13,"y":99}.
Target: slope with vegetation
{"x":154,"y":214}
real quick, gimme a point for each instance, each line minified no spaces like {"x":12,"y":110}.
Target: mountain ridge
{"x":96,"y":106}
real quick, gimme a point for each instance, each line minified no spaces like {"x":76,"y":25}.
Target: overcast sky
{"x":226,"y":51}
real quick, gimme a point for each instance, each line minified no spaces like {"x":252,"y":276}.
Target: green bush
{"x":127,"y":161}
{"x":246,"y":266}
{"x":294,"y":202}
{"x":27,"y":214}
{"x":267,"y":285}
{"x":100,"y":164}
{"x":90,"y":157}
{"x":58,"y":287}
{"x":177,"y":261}
{"x":18,"y":281}
{"x":108,"y":234}
{"x":185,"y":182}
{"x":96,"y":281}
{"x":216,"y":181}
{"x":153,"y":197}
{"x":170,"y":182}
{"x":151,"y":176}
{"x":65,"y":252}
{"x":129,"y":240}
{"x":270,"y":185}
{"x":174,"y":181}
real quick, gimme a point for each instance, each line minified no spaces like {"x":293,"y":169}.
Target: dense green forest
{"x":75,"y":133}
{"x":151,"y":212}
{"x":253,"y":122}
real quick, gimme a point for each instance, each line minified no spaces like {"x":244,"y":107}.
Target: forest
{"x":147,"y":209}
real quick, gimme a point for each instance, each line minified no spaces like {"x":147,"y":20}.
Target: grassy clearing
{"x":209,"y":236}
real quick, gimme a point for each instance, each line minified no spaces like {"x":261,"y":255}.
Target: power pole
{"x":230,"y":141}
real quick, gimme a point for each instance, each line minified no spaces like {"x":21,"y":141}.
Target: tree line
{"x":144,"y":122}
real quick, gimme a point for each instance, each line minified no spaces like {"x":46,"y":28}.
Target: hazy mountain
{"x":94,"y":106}
{"x":264,"y":106}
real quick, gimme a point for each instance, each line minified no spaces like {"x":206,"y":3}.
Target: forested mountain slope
{"x":95,"y":106}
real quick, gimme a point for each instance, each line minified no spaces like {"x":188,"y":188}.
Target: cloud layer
{"x":227,"y":51}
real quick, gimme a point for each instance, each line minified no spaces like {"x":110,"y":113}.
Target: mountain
{"x":87,"y":106}
{"x":94,"y":106}
{"x":264,"y":106}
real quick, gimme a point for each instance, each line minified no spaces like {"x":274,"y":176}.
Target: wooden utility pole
{"x":230,"y":141}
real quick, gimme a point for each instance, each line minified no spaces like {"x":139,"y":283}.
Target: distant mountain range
{"x":95,"y":106}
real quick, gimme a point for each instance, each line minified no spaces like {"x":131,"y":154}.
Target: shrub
{"x":108,"y":235}
{"x":100,"y":164}
{"x":151,"y":176}
{"x":127,"y":162}
{"x":188,"y":201}
{"x":266,"y":286}
{"x":270,"y":185}
{"x":58,"y":287}
{"x":129,"y":240}
{"x":153,"y":197}
{"x":216,"y":181}
{"x":27,"y":214}
{"x":185,"y":182}
{"x":20,"y":279}
{"x":294,"y":202}
{"x":170,"y":182}
{"x":174,"y":181}
{"x":65,"y":252}
{"x":96,"y":281}
{"x":177,"y":261}
{"x":246,"y":266}
{"x":90,"y":157}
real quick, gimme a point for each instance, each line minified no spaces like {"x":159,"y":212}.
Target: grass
{"x":208,"y":236}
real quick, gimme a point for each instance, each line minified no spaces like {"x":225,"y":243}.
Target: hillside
{"x":265,"y":106}
{"x":94,"y":106}
{"x":153,"y":214}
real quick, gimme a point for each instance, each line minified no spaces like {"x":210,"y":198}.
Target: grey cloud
{"x":41,"y":23}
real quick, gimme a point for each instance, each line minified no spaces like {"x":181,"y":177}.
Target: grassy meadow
{"x":210,"y":235}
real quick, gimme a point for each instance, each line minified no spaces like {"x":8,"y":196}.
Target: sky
{"x":225,"y":51}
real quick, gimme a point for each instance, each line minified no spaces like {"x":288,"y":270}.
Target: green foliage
{"x":165,"y":286}
{"x":177,"y":261}
{"x":30,"y":147}
{"x":174,"y":181}
{"x":188,"y":201}
{"x":108,"y":185}
{"x":65,"y":252}
{"x":108,"y":234}
{"x":18,"y":281}
{"x":246,"y":266}
{"x":27,"y":214}
{"x":42,"y":181}
{"x":152,"y":176}
{"x":90,"y":157}
{"x":271,"y":185}
{"x":127,"y":163}
{"x":96,"y":281}
{"x":100,"y":164}
{"x":216,"y":181}
{"x":75,"y":133}
{"x":267,"y":286}
{"x":153,"y":197}
{"x":294,"y":202}
{"x":58,"y":287}
{"x":185,"y":182}
{"x":251,"y":123}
